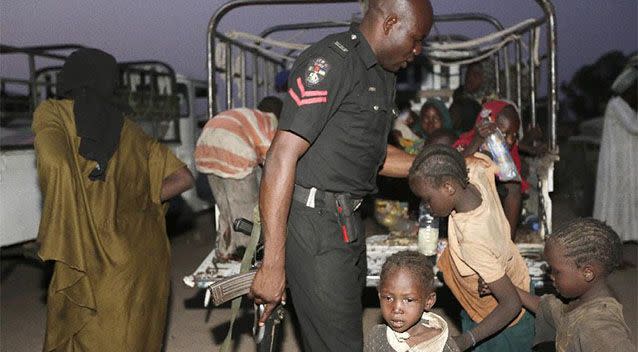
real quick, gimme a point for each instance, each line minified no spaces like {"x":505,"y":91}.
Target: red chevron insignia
{"x":308,"y":96}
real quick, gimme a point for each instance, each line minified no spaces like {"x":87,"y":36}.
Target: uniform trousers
{"x":326,"y":277}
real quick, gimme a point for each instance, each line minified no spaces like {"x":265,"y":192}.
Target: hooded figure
{"x":89,"y":78}
{"x":102,"y":227}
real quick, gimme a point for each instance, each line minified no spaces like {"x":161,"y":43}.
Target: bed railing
{"x":251,"y":65}
{"x":148,"y":87}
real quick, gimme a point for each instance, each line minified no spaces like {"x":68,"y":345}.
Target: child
{"x":442,"y":136}
{"x":463,"y":112}
{"x":479,"y":246}
{"x":406,"y":293}
{"x":504,"y":116}
{"x":581,"y":255}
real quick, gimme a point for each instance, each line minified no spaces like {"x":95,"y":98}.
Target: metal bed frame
{"x":149,"y":87}
{"x":260,"y":77}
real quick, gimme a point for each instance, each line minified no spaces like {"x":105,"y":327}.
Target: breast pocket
{"x":375,"y":119}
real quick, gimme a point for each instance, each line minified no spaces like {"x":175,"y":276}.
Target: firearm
{"x":224,"y":290}
{"x":231,"y":287}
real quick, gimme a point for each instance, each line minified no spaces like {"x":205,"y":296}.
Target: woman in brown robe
{"x":103,"y":182}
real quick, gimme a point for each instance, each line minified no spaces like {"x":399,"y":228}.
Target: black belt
{"x":309,"y":196}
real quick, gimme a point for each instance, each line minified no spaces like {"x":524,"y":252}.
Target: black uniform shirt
{"x":341,"y":101}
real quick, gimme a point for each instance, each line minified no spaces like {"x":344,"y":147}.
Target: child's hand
{"x":483,"y":289}
{"x":462,"y":341}
{"x":482,"y":131}
{"x":485,"y":129}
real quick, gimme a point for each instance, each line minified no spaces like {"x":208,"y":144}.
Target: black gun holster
{"x":346,"y":207}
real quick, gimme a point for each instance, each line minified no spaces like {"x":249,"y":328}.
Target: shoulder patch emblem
{"x":317,"y":71}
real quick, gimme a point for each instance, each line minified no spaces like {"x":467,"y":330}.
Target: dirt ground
{"x":191,"y":327}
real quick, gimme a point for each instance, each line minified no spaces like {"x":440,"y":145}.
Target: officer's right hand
{"x":268,"y":288}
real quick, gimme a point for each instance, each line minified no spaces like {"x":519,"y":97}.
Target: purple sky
{"x":175,"y":31}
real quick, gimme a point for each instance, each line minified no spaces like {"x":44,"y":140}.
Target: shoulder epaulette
{"x":342,"y":45}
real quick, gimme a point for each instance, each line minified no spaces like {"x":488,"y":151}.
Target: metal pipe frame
{"x":37,"y":51}
{"x":228,"y":70}
{"x":497,"y":72}
{"x":212,"y":32}
{"x":300,"y":26}
{"x":225,"y":39}
{"x":519,"y":57}
{"x":242,"y":76}
{"x":473,"y":16}
{"x":532,"y":78}
{"x":255,"y":80}
{"x":546,"y":6}
{"x":552,"y":96}
{"x":229,"y":76}
{"x":508,"y":82}
{"x":40,"y":51}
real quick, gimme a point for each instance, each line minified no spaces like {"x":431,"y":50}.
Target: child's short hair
{"x":441,"y":136}
{"x":510,"y":112}
{"x":586,"y":240}
{"x":438,"y":163}
{"x":416,"y":263}
{"x":464,"y":111}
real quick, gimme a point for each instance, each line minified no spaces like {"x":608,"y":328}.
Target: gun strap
{"x":245,"y":266}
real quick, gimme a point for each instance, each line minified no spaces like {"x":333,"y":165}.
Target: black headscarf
{"x":89,"y":77}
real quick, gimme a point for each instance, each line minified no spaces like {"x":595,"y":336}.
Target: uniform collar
{"x":365,"y":51}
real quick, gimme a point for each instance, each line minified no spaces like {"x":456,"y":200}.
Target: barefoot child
{"x":406,"y":294}
{"x":581,"y":255}
{"x":479,"y":246}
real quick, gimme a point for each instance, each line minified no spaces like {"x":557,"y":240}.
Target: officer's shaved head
{"x":395,"y":30}
{"x":391,"y":5}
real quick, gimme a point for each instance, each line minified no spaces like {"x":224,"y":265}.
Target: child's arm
{"x":529,"y":300}
{"x":482,"y":131}
{"x":512,"y":205}
{"x":509,"y":305}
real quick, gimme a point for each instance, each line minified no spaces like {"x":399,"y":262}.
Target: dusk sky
{"x":175,"y":31}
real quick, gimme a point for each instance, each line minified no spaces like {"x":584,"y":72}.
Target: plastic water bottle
{"x":500,"y":154}
{"x":428,"y":236}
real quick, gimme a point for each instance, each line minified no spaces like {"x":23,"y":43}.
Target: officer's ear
{"x":389,"y":22}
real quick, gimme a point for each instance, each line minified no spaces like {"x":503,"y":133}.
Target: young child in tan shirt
{"x":581,"y":255}
{"x":406,"y":295}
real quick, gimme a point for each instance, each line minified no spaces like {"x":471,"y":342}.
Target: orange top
{"x":480,"y":246}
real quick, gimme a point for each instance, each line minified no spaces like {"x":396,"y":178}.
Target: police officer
{"x":331,"y":143}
